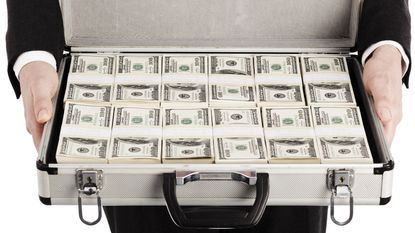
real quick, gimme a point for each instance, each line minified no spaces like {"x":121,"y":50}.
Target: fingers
{"x":385,"y":87}
{"x":389,"y":129}
{"x":36,"y":130}
{"x":32,"y":126}
{"x":38,"y":81}
{"x":42,"y":102}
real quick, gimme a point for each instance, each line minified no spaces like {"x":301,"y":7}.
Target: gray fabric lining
{"x":211,"y":23}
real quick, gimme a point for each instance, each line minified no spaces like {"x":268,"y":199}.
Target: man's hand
{"x":38,"y":82}
{"x":382,"y":77}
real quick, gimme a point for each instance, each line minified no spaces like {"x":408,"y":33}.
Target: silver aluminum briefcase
{"x":214,"y":26}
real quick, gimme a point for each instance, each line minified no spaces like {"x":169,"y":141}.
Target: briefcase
{"x":200,"y":195}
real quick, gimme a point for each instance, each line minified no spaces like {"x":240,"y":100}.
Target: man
{"x":35,"y":44}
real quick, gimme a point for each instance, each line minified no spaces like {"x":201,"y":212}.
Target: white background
{"x":21,"y":210}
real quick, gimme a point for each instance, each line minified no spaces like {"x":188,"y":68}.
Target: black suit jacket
{"x":37,"y":25}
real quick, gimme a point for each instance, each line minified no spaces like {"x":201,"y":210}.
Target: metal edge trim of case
{"x":44,"y":167}
{"x":385,"y":200}
{"x":389,"y":166}
{"x":45,"y":200}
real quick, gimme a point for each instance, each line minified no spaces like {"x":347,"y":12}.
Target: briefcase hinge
{"x":89,"y":182}
{"x":340,"y":183}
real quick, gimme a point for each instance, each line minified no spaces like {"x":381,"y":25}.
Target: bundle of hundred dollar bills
{"x":138,"y":80}
{"x":289,"y":135}
{"x":238,"y":135}
{"x":91,"y":78}
{"x":85,"y":133}
{"x":219,"y":108}
{"x":231,"y":81}
{"x":278,"y":80}
{"x":136,"y":135}
{"x":187,"y":136}
{"x":327,"y":81}
{"x":185,"y":81}
{"x":341,"y":135}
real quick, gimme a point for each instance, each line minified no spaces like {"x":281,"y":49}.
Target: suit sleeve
{"x":33,"y":25}
{"x":385,"y":20}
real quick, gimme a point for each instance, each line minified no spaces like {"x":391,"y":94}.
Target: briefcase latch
{"x":340,"y":182}
{"x":89,"y":183}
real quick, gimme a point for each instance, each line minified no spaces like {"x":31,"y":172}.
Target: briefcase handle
{"x":216,"y":217}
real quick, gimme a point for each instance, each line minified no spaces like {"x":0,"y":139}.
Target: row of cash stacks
{"x":94,"y":133}
{"x":205,"y":109}
{"x":215,"y":80}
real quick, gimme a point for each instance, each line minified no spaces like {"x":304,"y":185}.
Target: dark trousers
{"x":276,"y":219}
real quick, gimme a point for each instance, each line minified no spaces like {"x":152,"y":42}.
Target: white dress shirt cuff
{"x":405,"y":59}
{"x":31,"y":56}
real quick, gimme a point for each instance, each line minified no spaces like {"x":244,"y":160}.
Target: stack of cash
{"x":187,"y":135}
{"x":286,"y":117}
{"x":184,"y":81}
{"x":240,"y":149}
{"x":236,"y":119}
{"x":231,"y":81}
{"x":341,"y":135}
{"x":348,"y":148}
{"x":187,"y":150}
{"x":139,"y":66}
{"x":329,"y":117}
{"x":278,"y":80}
{"x":231,"y":66}
{"x":136,"y":135}
{"x":238,"y":136}
{"x":327,"y":81}
{"x":82,"y":149}
{"x":289,"y":135}
{"x":85,"y":133}
{"x":138,"y":80}
{"x":91,"y":67}
{"x":90,"y":78}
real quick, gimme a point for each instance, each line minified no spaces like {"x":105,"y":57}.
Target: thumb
{"x":42,"y":102}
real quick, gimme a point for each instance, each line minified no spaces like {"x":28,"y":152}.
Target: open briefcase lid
{"x":254,"y":24}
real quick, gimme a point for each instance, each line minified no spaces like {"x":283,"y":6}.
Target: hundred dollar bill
{"x":292,"y":150}
{"x":344,"y":150}
{"x":277,"y":65}
{"x":178,"y":65}
{"x":88,"y":92}
{"x":280,"y":94}
{"x":135,"y":150}
{"x":82,"y":150}
{"x":231,"y":65}
{"x":136,"y":66}
{"x":321,"y":65}
{"x":337,"y":116}
{"x":287,"y":117}
{"x":237,"y":117}
{"x":92,"y":65}
{"x":330,"y":93}
{"x":240,"y":150}
{"x":185,"y":92}
{"x":137,"y":92}
{"x":187,"y":117}
{"x":136,"y":117}
{"x":84,"y":115}
{"x":187,"y":150}
{"x":232,"y":94}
